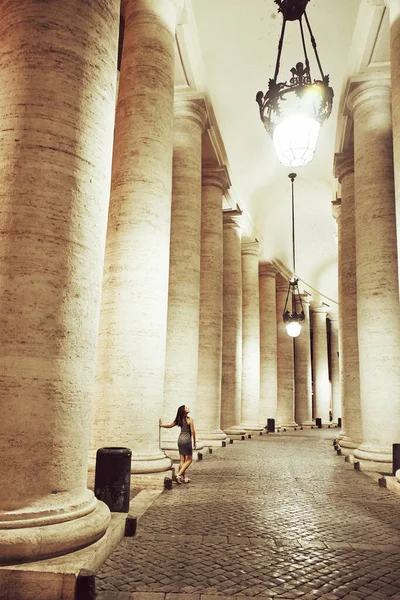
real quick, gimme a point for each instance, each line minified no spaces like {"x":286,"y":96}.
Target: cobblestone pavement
{"x":277,"y":516}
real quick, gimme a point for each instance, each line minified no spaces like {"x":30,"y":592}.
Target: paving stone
{"x":255,"y":523}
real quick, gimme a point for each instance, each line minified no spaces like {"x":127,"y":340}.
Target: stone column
{"x":58,"y":100}
{"x":351,"y":434}
{"x":231,"y":385}
{"x":322,"y":393}
{"x":251,"y":338}
{"x":302,"y":369}
{"x":132,"y":337}
{"x":394,"y":16}
{"x":268,"y":343}
{"x":182,"y":355}
{"x":285,"y":352}
{"x":335,"y":375}
{"x":208,"y":421}
{"x":378,"y":310}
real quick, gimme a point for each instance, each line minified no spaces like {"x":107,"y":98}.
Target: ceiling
{"x":227,"y":51}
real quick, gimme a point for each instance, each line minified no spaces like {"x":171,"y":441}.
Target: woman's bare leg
{"x":185,"y":466}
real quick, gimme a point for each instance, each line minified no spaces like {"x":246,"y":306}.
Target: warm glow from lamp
{"x":293,"y":328}
{"x":295,"y":139}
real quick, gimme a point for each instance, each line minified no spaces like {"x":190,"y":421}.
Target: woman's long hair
{"x":180,"y":416}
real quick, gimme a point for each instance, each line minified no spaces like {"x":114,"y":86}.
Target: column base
{"x":45,"y":537}
{"x":290,"y":425}
{"x":252,"y":428}
{"x":347,"y":446}
{"x":307,"y":424}
{"x":235,"y":430}
{"x":141,"y":463}
{"x":369,"y":458}
{"x":212,"y":439}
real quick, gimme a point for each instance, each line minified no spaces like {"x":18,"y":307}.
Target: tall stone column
{"x":132,"y":336}
{"x":231,"y":385}
{"x":394,"y":16}
{"x":56,"y":152}
{"x":285,"y":350}
{"x":251,"y":338}
{"x":268,"y":343}
{"x":302,"y":369}
{"x":335,"y":374}
{"x":378,"y":310}
{"x":351,"y":434}
{"x":182,"y":355}
{"x":322,"y":392}
{"x":208,"y":420}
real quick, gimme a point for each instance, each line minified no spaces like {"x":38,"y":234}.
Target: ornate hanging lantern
{"x":293,"y":112}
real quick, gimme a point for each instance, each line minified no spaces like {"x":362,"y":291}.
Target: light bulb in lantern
{"x":293,"y":328}
{"x":295,"y":139}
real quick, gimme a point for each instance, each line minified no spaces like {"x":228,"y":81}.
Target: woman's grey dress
{"x":185,"y":440}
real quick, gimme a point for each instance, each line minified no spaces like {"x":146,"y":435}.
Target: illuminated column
{"x":251,"y":338}
{"x":378,"y":310}
{"x":268,"y":343}
{"x":285,"y":360}
{"x":394,"y":16}
{"x":58,"y":101}
{"x":335,"y":375}
{"x":231,"y":387}
{"x":132,"y":337}
{"x":320,"y":364}
{"x":302,"y":369}
{"x":182,"y":356}
{"x":214,"y":183}
{"x":351,"y":434}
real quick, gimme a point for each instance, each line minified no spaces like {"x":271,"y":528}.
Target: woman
{"x":184,"y":441}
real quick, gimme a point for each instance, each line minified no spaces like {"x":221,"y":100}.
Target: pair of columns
{"x":368,"y":280}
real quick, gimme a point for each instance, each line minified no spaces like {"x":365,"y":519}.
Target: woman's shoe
{"x":186,"y":480}
{"x":179,"y":479}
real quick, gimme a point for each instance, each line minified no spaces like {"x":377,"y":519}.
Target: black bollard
{"x":318,"y":423}
{"x":112,"y":480}
{"x":396,"y":458}
{"x":167,"y":483}
{"x":131,"y":525}
{"x":339,"y":421}
{"x":85,"y":588}
{"x":271,"y":425}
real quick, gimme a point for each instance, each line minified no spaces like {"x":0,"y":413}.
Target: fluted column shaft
{"x":268,"y":343}
{"x":302,"y":369}
{"x":251,"y":338}
{"x":58,"y":101}
{"x":132,"y":337}
{"x":348,"y":337}
{"x":285,"y":360}
{"x":322,"y":395}
{"x":335,"y":375}
{"x":378,"y":311}
{"x":231,"y":387}
{"x":208,"y":421}
{"x":182,"y":355}
{"x":394,"y":16}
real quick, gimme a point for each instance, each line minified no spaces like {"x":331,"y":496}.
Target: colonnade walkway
{"x":276,"y":516}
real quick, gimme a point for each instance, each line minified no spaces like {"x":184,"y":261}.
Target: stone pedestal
{"x":268,"y":343}
{"x":302,"y":370}
{"x":132,"y":336}
{"x":182,"y":358}
{"x":231,"y":386}
{"x":351,"y":434}
{"x":58,"y":101}
{"x":285,"y":350}
{"x":250,"y":338}
{"x":394,"y":16}
{"x":322,"y":395}
{"x":378,"y":311}
{"x":335,"y":374}
{"x":208,"y":411}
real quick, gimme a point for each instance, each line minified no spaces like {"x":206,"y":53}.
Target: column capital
{"x":250,"y":248}
{"x":343,"y":165}
{"x":266,"y":269}
{"x":319,"y":310}
{"x":373,"y":90}
{"x":232,"y":218}
{"x":216,"y":177}
{"x":190,"y":108}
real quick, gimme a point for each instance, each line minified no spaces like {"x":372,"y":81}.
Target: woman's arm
{"x":167,"y":426}
{"x":192,"y":431}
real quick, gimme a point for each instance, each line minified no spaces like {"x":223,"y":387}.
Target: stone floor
{"x":277,"y":516}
